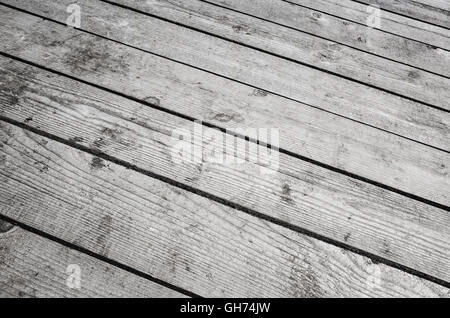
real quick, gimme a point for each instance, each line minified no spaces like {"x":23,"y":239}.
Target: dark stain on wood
{"x":97,"y":163}
{"x":226,"y":116}
{"x":241,"y":29}
{"x":374,"y":261}
{"x":105,"y":227}
{"x":5,"y":226}
{"x":260,"y":92}
{"x":153,"y":100}
{"x":347,"y":236}
{"x":41,"y":166}
{"x":99,"y":143}
{"x":310,"y":285}
{"x":85,"y":57}
{"x":316,"y":15}
{"x":286,"y":193}
{"x":413,"y":75}
{"x":223,"y":118}
{"x":14,"y":87}
{"x":386,"y":248}
{"x":111,"y":133}
{"x":76,"y":139}
{"x":116,"y":135}
{"x":303,"y":281}
{"x":361,"y":39}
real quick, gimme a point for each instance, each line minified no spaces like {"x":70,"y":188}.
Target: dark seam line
{"x":407,"y":16}
{"x":97,"y":256}
{"x":281,"y":150}
{"x":425,"y":6}
{"x":258,"y":49}
{"x":286,"y":26}
{"x":374,"y":86}
{"x":234,"y":80}
{"x":429,"y":6}
{"x":254,"y":213}
{"x":231,"y":204}
{"x":362,"y":24}
{"x":209,"y":72}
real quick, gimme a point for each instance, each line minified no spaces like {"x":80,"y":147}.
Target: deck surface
{"x":348,"y":197}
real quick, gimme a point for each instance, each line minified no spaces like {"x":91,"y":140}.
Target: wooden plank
{"x":323,"y":25}
{"x":441,"y":4}
{"x":301,"y":194}
{"x":406,"y":118}
{"x":432,"y":11}
{"x":178,"y":236}
{"x":329,"y":56}
{"x":32,"y":266}
{"x":391,"y":22}
{"x":358,"y":149}
{"x":342,"y":31}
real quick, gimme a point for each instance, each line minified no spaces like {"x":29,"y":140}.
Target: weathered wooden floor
{"x":357,"y":205}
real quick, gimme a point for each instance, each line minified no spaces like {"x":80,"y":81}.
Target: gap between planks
{"x":302,"y":20}
{"x":35,"y":266}
{"x":331,"y":58}
{"x":403,"y":126}
{"x":391,"y":23}
{"x":144,"y":144}
{"x":418,"y":10}
{"x":198,"y":100}
{"x":262,"y":259}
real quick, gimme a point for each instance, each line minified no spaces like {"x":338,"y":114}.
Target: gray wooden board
{"x":358,"y":149}
{"x":33,"y":266}
{"x":163,"y":38}
{"x":342,"y":31}
{"x":178,"y":236}
{"x":344,"y":97}
{"x":390,"y":22}
{"x":432,"y":11}
{"x":299,"y":193}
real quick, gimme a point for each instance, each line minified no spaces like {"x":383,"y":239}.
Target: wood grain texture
{"x":344,"y":97}
{"x":178,"y":236}
{"x":342,"y":31}
{"x":34,"y":267}
{"x":327,"y":55}
{"x":355,"y":148}
{"x":390,"y":22}
{"x":431,"y":11}
{"x":301,"y":194}
{"x":165,"y":39}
